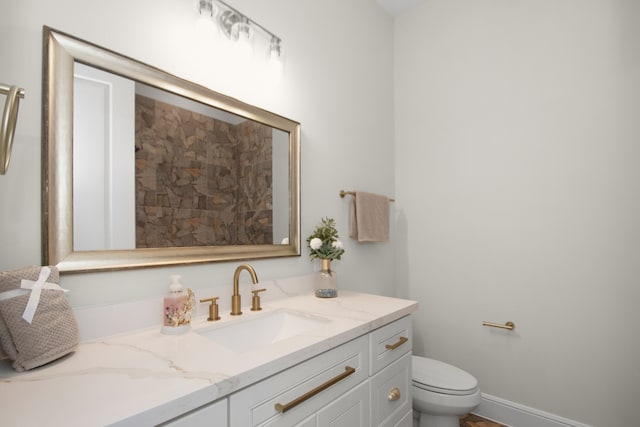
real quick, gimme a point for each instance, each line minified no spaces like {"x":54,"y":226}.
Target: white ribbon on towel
{"x":36,"y":289}
{"x":12,"y":294}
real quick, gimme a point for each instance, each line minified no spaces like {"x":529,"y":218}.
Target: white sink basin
{"x":242,"y":335}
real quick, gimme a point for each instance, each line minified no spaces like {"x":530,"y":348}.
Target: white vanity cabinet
{"x":364,"y":382}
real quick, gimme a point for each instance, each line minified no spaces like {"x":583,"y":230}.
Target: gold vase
{"x":326,"y":281}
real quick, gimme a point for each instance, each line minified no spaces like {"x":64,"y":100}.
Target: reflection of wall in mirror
{"x":201,"y":181}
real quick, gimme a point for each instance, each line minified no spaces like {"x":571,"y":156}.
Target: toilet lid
{"x":441,"y":377}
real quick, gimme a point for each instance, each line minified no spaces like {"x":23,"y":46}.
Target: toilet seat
{"x":439,"y":377}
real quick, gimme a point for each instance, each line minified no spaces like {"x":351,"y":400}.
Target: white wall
{"x":518,"y":188}
{"x":337,"y":83}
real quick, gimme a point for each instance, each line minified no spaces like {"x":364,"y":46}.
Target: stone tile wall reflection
{"x":200,"y":181}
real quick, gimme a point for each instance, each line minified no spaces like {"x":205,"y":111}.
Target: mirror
{"x":142,"y":168}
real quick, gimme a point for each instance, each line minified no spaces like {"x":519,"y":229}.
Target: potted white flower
{"x":324,"y":244}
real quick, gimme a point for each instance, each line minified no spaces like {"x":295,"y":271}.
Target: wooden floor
{"x":476,"y":421}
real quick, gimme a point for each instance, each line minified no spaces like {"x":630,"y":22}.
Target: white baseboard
{"x":515,"y":415}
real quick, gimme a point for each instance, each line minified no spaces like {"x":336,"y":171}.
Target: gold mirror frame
{"x":60,"y":52}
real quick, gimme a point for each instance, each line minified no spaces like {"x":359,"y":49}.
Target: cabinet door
{"x":407,"y":421}
{"x":391,"y":393}
{"x":212,"y":415}
{"x":349,"y":410}
{"x":307,"y":422}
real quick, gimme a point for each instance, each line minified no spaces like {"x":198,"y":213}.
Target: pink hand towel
{"x":369,"y":217}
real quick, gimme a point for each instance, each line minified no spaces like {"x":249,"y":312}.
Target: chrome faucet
{"x":235,"y":298}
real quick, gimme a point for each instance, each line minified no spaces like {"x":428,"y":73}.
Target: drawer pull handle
{"x":401,"y":341}
{"x":348,"y":370}
{"x":394,"y":394}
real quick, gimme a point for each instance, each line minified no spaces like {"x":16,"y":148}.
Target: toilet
{"x":441,"y":393}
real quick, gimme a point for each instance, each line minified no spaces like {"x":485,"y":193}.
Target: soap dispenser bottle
{"x":178,"y":306}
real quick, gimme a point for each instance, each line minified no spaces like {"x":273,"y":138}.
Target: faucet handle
{"x":213,"y":308}
{"x":255,"y":300}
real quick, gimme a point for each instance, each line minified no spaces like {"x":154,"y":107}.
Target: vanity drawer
{"x":256,"y":405}
{"x":391,"y":393}
{"x":390,"y":342}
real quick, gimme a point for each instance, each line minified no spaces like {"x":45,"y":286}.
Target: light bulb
{"x":206,"y":9}
{"x":275,"y":58}
{"x":206,"y":12}
{"x":243,"y":34}
{"x":275,"y":49}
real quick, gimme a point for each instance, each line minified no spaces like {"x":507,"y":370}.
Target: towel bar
{"x":509,"y":325}
{"x":8,"y":123}
{"x":4,"y":89}
{"x":353,"y":193}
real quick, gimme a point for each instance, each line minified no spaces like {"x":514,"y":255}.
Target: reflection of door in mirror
{"x":103,"y":160}
{"x":202,"y":176}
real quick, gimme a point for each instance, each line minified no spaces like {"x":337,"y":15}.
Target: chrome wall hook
{"x":8,"y":123}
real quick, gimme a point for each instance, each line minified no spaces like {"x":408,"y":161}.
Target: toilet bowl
{"x":441,"y":393}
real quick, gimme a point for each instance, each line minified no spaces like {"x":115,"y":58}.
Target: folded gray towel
{"x":53,"y":331}
{"x":369,"y":217}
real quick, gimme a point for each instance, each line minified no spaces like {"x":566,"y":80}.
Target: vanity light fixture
{"x":238,"y":27}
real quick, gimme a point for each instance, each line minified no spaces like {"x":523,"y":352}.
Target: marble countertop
{"x":145,"y":377}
